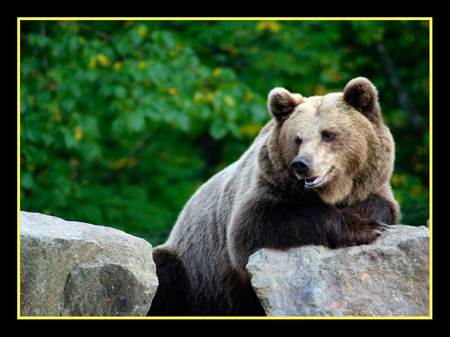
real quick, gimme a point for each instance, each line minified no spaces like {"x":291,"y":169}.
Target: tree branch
{"x":404,"y":99}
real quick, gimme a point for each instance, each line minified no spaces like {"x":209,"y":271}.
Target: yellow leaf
{"x":92,"y":63}
{"x":335,"y":76}
{"x":118,"y":164}
{"x":57,"y":117}
{"x":217,"y":72}
{"x":78,"y":133}
{"x":142,"y":30}
{"x":395,"y":180}
{"x":123,"y":163}
{"x":416,"y":190}
{"x":173,"y":91}
{"x":103,"y":60}
{"x":248,"y":96}
{"x":250,"y":130}
{"x":117,"y":66}
{"x":418,"y":167}
{"x":319,"y":90}
{"x":272,"y":26}
{"x":198,"y":97}
{"x":229,"y":101}
{"x":398,"y":179}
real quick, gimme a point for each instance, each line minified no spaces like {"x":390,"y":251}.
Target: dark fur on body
{"x":257,"y":202}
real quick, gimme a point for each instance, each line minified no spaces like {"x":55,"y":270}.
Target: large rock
{"x":73,"y":268}
{"x":389,"y":277}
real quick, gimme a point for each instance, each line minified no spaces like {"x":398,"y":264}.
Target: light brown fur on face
{"x":357,"y":162}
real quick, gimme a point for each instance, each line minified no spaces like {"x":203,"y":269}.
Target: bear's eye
{"x":298,"y":140}
{"x":328,"y":135}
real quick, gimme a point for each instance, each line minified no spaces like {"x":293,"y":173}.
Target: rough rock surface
{"x":389,"y":277}
{"x":73,"y":268}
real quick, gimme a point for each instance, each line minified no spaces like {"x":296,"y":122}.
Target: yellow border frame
{"x":430,"y":21}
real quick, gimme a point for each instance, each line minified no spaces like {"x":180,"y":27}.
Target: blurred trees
{"x":122,"y":121}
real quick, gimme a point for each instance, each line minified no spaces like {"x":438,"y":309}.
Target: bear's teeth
{"x":313,"y":181}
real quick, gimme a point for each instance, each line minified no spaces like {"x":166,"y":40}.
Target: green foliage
{"x":122,"y":121}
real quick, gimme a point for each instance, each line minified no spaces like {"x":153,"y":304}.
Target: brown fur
{"x":260,"y":202}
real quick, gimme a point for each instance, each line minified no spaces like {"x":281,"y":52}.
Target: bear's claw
{"x":361,"y":231}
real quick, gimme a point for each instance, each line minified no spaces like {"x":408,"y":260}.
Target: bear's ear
{"x":363,"y":96}
{"x":281,"y":103}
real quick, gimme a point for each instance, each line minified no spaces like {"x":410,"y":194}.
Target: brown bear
{"x":317,"y":173}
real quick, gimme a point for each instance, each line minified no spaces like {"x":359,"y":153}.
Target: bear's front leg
{"x":265,"y":223}
{"x":375,"y":207}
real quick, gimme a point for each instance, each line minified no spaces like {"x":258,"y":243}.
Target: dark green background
{"x":122,"y":121}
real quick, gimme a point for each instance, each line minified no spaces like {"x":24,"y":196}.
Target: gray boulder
{"x":77,"y":269}
{"x":389,"y":277}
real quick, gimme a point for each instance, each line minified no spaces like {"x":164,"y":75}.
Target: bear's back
{"x":200,"y":233}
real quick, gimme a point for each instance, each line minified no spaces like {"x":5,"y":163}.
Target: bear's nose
{"x":301,"y":165}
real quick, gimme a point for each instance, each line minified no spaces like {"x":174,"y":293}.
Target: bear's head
{"x":336,"y":143}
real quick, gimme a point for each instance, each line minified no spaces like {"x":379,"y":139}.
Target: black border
{"x":440,"y":66}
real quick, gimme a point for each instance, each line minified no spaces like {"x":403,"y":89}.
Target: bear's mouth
{"x":316,"y":180}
